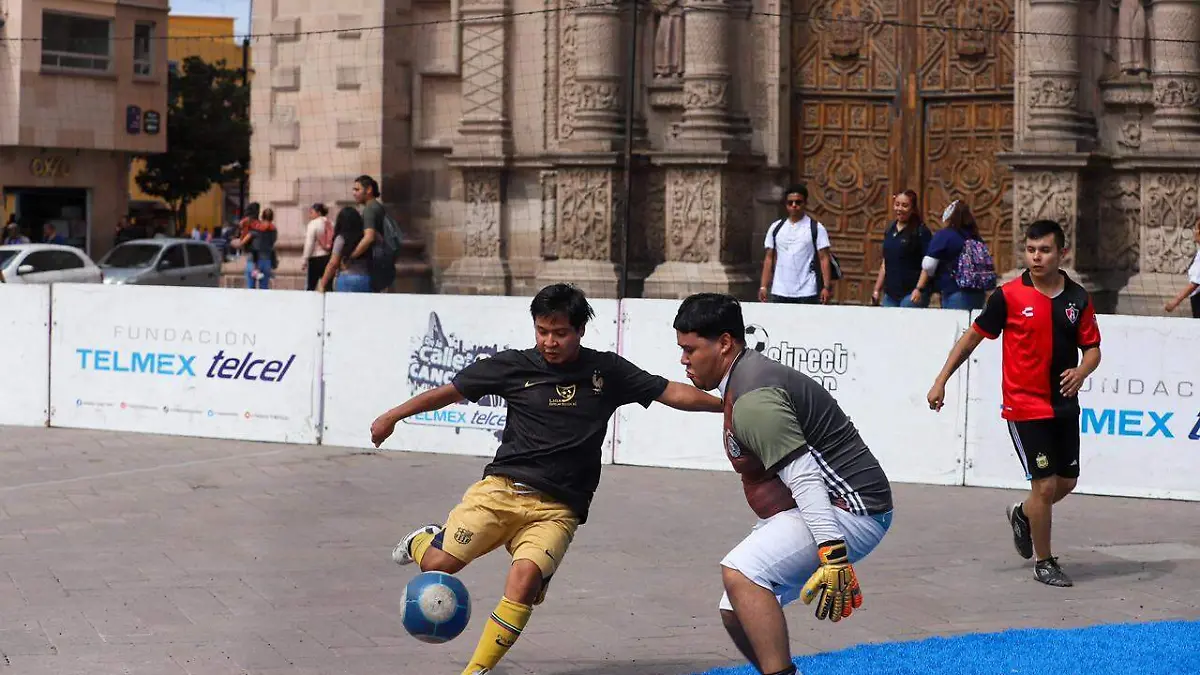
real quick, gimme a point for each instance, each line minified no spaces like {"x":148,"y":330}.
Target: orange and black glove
{"x":834,"y":585}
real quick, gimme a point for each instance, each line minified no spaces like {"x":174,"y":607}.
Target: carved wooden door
{"x":885,"y":102}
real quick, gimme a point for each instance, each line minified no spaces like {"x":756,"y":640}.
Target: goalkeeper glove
{"x":834,"y":585}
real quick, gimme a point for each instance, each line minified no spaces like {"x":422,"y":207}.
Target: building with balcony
{"x":83,"y":88}
{"x":212,"y":39}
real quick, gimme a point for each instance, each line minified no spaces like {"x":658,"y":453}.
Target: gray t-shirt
{"x":373,"y":214}
{"x":361,"y":265}
{"x":777,"y":410}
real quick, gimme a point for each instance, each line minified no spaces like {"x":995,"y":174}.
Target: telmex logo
{"x":1141,"y":423}
{"x":171,"y":364}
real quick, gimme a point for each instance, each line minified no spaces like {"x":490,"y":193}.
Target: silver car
{"x":47,"y":264}
{"x":163,"y":262}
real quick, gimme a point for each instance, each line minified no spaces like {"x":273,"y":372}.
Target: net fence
{"x":646,"y":148}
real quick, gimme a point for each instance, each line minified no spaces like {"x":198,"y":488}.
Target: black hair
{"x":368,"y":184}
{"x":1041,"y":228}
{"x":711,"y":315}
{"x":349,"y":226}
{"x":799,"y":189}
{"x":252,"y":210}
{"x":562,"y":299}
{"x":321,"y":209}
{"x":910,"y":238}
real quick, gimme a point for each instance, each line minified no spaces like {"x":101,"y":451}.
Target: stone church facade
{"x":497,"y":129}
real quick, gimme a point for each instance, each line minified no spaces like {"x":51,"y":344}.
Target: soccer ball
{"x":435,"y":607}
{"x":757,"y":338}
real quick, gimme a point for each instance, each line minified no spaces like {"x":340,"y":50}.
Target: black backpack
{"x":835,"y":267}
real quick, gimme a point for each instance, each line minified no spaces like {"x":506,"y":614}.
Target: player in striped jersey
{"x":822,"y":500}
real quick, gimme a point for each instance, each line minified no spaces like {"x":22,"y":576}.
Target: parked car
{"x":47,"y":264}
{"x":163,"y":262}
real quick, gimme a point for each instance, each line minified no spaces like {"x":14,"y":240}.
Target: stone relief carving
{"x":1130,"y":33}
{"x":549,"y":183}
{"x":1131,"y":131}
{"x":668,"y":39}
{"x":971,"y":38}
{"x":1169,"y":210}
{"x":647,"y":231}
{"x":568,"y":94}
{"x":598,"y":96}
{"x":1176,"y":93}
{"x":846,"y":35}
{"x":1047,"y":194}
{"x":585,"y":214}
{"x":706,"y":94}
{"x":692,"y":226}
{"x":1118,"y":226}
{"x":482,"y":218}
{"x":1053,"y":93}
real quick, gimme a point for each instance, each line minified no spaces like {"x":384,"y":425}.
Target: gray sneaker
{"x":1048,"y":572}
{"x":402,"y":554}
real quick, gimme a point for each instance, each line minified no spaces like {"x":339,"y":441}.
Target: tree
{"x":208,"y":135}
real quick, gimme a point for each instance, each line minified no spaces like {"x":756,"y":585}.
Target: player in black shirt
{"x":538,"y":489}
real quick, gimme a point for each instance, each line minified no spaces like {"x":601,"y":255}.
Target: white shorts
{"x":780,"y":553}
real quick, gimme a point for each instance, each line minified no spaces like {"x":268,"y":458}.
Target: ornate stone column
{"x":589,"y":195}
{"x":1175,"y":73}
{"x":480,"y":152}
{"x":711,"y":175}
{"x":599,"y":77}
{"x":707,"y":72}
{"x":1052,"y":147}
{"x":1051,"y":58}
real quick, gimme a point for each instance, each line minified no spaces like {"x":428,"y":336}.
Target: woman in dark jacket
{"x":904,"y":245}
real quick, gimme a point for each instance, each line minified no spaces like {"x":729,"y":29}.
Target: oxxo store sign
{"x":52,"y":166}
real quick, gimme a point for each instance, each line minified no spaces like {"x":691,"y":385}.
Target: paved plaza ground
{"x":137,"y":554}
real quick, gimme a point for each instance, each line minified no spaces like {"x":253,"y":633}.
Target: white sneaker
{"x":401,"y":555}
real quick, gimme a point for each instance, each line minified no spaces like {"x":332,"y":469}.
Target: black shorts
{"x":1047,"y":447}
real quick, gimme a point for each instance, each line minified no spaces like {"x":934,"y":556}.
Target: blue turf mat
{"x":1143,"y":648}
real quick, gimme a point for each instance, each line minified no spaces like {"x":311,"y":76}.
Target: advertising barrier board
{"x":25,"y":341}
{"x":383,"y":349}
{"x":877,"y":362}
{"x":1139,"y":421}
{"x":207,"y":362}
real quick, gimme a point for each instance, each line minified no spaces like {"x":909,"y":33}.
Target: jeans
{"x":964,"y":300}
{"x":802,"y":300}
{"x":264,"y":266}
{"x":352,"y":283}
{"x":888,"y":301}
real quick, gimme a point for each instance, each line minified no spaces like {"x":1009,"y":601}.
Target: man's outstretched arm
{"x":687,"y":397}
{"x":434,"y":399}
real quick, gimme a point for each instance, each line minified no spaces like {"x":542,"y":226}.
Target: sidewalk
{"x":152,"y":555}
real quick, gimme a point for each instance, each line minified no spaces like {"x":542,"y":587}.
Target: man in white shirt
{"x":788,"y":273}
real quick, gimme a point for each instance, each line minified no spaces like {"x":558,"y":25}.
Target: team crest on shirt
{"x":731,"y":445}
{"x":1072,"y":312}
{"x":597,"y":383}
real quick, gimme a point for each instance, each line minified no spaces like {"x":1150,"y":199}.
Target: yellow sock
{"x":499,"y":633}
{"x":419,"y":545}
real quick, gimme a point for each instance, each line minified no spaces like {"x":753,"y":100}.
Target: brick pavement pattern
{"x":137,"y":554}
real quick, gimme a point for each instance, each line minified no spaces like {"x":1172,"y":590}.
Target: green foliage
{"x":208,"y":134}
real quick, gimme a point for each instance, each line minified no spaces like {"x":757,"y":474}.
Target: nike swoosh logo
{"x":530,"y":384}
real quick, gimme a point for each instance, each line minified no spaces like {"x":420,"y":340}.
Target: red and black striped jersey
{"x":1042,"y":338}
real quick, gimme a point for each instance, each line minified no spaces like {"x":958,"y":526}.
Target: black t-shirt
{"x":557,"y":416}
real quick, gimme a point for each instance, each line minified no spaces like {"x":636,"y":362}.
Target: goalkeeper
{"x":822,"y":500}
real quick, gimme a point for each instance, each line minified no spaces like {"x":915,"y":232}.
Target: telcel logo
{"x":182,"y":365}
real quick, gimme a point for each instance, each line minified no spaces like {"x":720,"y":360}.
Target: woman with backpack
{"x":958,"y":265}
{"x":904,"y":244}
{"x":318,"y":242}
{"x":257,"y":236}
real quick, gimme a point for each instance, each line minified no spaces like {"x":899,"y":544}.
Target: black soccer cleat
{"x":1022,"y":536}
{"x":1048,"y":572}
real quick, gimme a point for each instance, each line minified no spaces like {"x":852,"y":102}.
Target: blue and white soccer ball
{"x":435,"y":607}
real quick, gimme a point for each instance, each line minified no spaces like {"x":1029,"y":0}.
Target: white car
{"x":47,"y":264}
